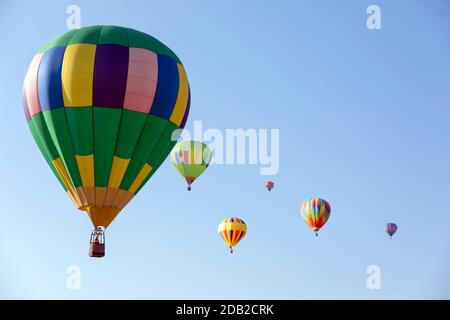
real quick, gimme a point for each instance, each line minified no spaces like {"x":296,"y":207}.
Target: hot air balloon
{"x":390,"y":228}
{"x":102,"y":103}
{"x":232,"y":230}
{"x":270,"y":185}
{"x":315,"y":212}
{"x":190,"y":158}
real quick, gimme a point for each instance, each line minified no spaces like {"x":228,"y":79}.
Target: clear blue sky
{"x":364,"y":123}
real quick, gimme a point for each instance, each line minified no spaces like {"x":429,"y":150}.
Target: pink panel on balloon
{"x":30,"y":86}
{"x":141,"y":81}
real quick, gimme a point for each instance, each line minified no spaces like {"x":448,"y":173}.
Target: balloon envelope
{"x":102,"y":103}
{"x":315,"y":213}
{"x":232,"y":230}
{"x":270,"y":185}
{"x":391,"y":229}
{"x":190,"y":159}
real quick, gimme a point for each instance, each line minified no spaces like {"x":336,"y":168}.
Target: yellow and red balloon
{"x":232,"y":230}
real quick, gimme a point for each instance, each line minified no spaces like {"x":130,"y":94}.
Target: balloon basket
{"x":97,"y":243}
{"x":96,"y":250}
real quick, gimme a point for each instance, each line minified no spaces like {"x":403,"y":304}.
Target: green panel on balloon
{"x":107,"y":116}
{"x":104,"y":147}
{"x":141,"y":40}
{"x":130,"y":129}
{"x":38,"y":140}
{"x":60,"y":41}
{"x":160,"y":151}
{"x":148,"y":139}
{"x":158,"y":161}
{"x":157,"y":164}
{"x":86,"y":35}
{"x":38,"y":124}
{"x":102,"y":168}
{"x":113,"y":35}
{"x":151,"y":133}
{"x":59,"y":131}
{"x":44,"y":151}
{"x":79,"y":121}
{"x":163,"y":143}
{"x":106,"y":123}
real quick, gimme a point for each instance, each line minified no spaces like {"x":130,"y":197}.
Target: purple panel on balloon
{"x":110,"y":75}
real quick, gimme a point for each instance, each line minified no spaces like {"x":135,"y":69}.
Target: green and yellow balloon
{"x":191,"y":158}
{"x":102,"y":104}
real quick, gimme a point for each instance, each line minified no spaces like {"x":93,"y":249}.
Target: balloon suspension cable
{"x":231,"y":249}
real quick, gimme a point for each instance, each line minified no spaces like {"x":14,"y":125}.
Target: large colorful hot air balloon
{"x":232,"y":230}
{"x":390,"y":228}
{"x":102,"y":103}
{"x":270,"y":185}
{"x":315,"y":212}
{"x":190,"y":158}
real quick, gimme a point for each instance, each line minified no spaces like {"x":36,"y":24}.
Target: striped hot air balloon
{"x":102,"y":103}
{"x":232,"y":230}
{"x":315,"y":212}
{"x":390,"y":229}
{"x":190,"y":159}
{"x":270,"y":185}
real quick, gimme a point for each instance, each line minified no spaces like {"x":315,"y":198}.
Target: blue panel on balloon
{"x":166,"y":88}
{"x":49,"y":79}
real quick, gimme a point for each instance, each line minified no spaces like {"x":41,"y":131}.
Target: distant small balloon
{"x":270,"y":185}
{"x":390,"y":228}
{"x":232,"y":230}
{"x":315,"y":212}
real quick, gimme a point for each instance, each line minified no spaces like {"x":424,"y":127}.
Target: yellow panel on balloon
{"x":232,"y":226}
{"x":86,"y":168}
{"x":145,"y":171}
{"x":61,"y":169}
{"x":78,"y":75}
{"x":118,"y":169}
{"x":182,"y":99}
